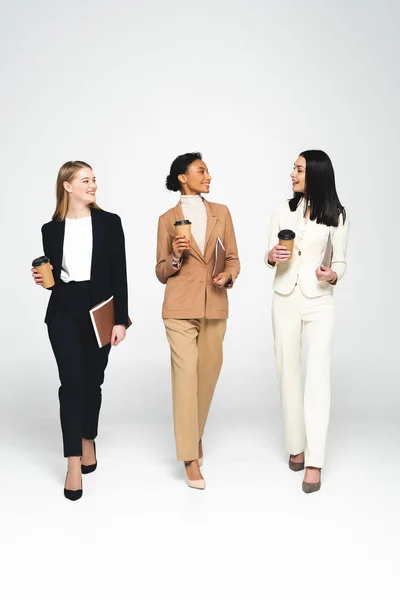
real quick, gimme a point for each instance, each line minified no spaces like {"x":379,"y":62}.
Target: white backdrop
{"x":127,"y":86}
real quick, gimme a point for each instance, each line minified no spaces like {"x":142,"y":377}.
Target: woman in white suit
{"x":303,"y":296}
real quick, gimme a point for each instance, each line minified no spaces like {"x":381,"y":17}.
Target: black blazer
{"x":108,"y":269}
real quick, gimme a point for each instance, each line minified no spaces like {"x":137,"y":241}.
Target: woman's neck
{"x":186,"y":191}
{"x":77,"y":210}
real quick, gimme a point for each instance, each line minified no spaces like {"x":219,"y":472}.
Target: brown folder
{"x":103,"y":320}
{"x":219,"y":258}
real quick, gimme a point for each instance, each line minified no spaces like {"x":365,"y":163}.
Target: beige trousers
{"x":196,"y":361}
{"x":305,"y":418}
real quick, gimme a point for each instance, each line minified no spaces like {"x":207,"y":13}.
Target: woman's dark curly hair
{"x":179,"y":167}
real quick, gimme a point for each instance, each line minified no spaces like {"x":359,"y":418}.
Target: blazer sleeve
{"x":118,"y":274}
{"x":232,"y":263}
{"x":47,"y":249}
{"x":46,"y":245}
{"x":273,"y":234}
{"x":339,"y":245}
{"x":164,"y":267}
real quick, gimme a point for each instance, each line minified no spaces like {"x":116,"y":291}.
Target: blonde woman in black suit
{"x":86,"y":249}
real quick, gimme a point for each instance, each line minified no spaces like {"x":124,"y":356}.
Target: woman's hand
{"x":326,"y":274}
{"x":118,"y":334}
{"x":278,"y":254}
{"x":179,"y":245}
{"x":38,"y":279}
{"x":221,"y":279}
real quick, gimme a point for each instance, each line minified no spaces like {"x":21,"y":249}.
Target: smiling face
{"x":83,"y":187}
{"x":298,"y":176}
{"x":196,"y":180}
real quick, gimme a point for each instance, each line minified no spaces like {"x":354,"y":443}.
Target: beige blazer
{"x":315,"y":244}
{"x":190,"y":293}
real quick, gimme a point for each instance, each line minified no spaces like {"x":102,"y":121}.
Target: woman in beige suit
{"x":195,"y":306}
{"x":303,"y":296}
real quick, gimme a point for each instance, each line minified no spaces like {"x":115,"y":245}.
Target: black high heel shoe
{"x":86,"y":469}
{"x":72,"y":494}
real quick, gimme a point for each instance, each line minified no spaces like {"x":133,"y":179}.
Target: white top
{"x":194,"y":210}
{"x":77,"y":252}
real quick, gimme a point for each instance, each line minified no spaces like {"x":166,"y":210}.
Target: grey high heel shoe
{"x":295,"y":466}
{"x":309,"y":488}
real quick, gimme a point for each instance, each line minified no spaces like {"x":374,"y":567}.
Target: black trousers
{"x":81,"y":365}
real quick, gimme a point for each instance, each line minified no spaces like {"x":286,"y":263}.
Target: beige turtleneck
{"x":195,"y":211}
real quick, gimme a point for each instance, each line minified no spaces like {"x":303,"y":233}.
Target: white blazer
{"x":314,"y":244}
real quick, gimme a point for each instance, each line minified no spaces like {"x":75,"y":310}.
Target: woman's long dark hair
{"x":320,"y":190}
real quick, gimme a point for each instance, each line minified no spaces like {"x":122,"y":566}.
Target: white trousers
{"x":305,"y":420}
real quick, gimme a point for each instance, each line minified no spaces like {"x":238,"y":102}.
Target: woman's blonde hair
{"x":67,"y":173}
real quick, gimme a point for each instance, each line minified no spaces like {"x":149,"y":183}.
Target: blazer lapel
{"x":299,"y":225}
{"x":98,"y":230}
{"x":211,"y":223}
{"x":179,"y":216}
{"x":309,"y":230}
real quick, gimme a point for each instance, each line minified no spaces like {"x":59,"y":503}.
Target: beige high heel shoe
{"x":197,"y":484}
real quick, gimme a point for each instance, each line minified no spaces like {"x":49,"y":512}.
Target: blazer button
{"x":299,"y":252}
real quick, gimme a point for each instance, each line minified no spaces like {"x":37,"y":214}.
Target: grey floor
{"x":140,"y":533}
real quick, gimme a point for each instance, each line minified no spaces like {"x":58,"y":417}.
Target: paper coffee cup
{"x":183,"y":228}
{"x":42,"y":266}
{"x":286,"y":238}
